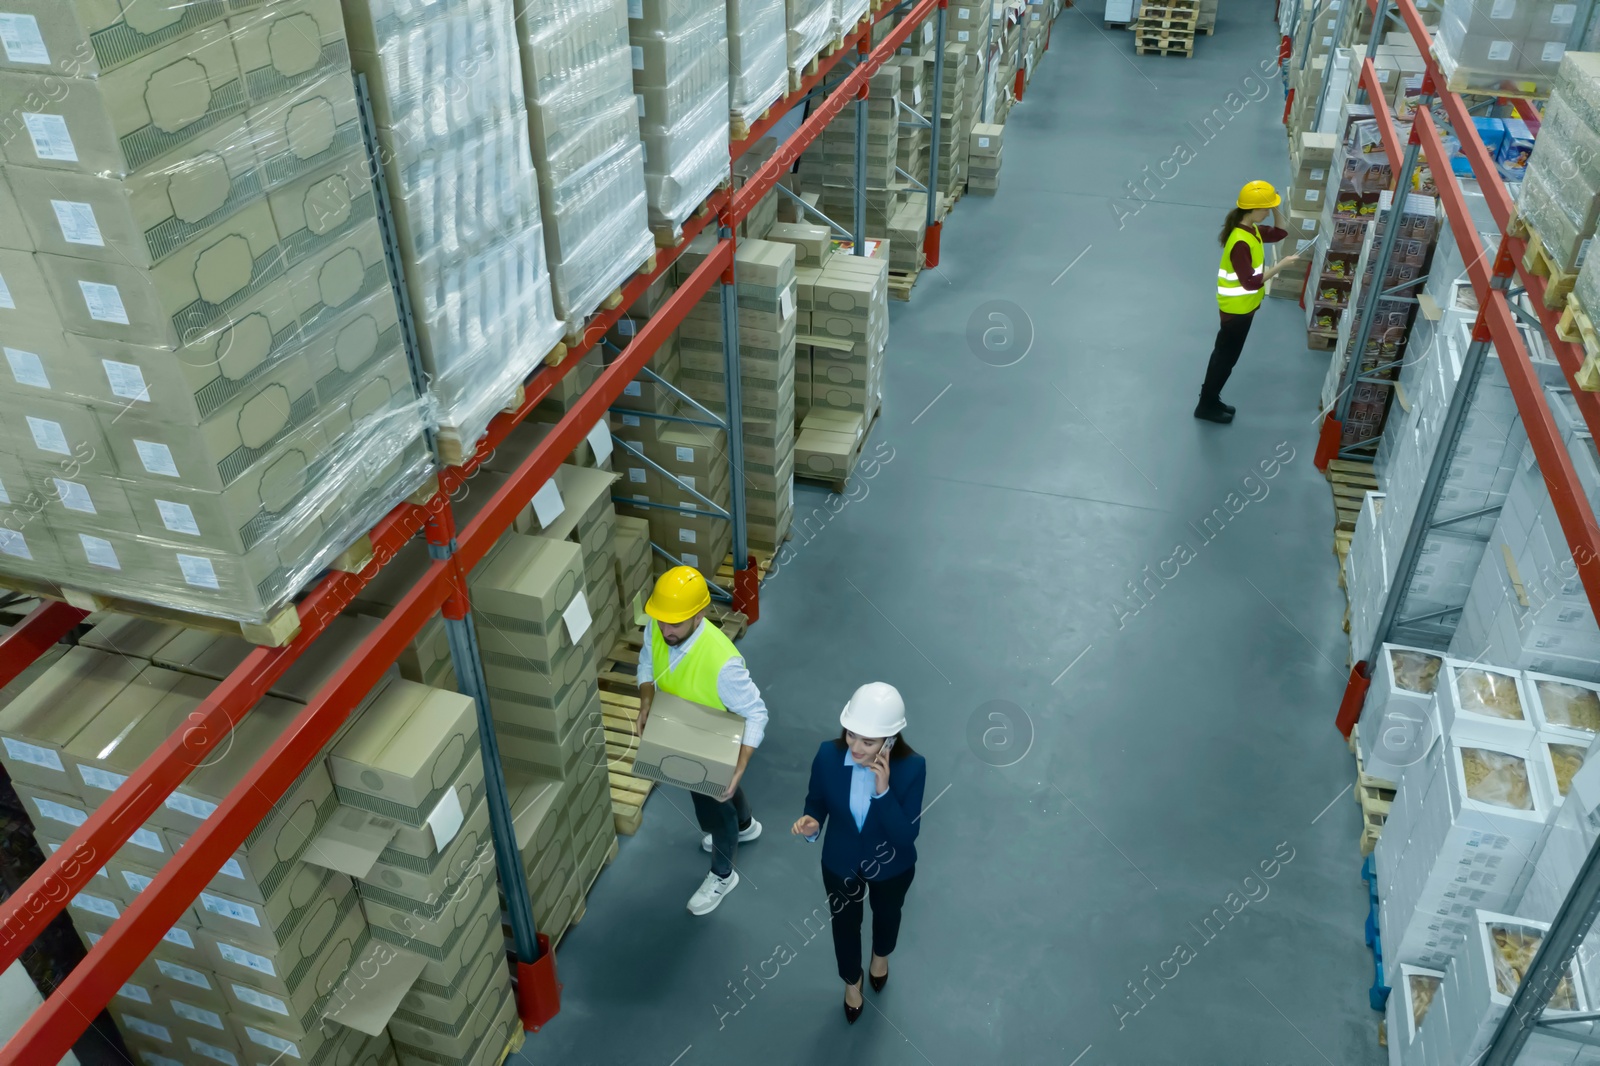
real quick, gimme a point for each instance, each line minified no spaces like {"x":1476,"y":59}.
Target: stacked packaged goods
{"x":810,"y":24}
{"x":758,"y":58}
{"x":680,"y":74}
{"x":913,"y":138}
{"x":577,"y":76}
{"x":983,"y":159}
{"x":955,"y":114}
{"x":1560,"y":199}
{"x":447,"y":96}
{"x":845,"y":15}
{"x":210,"y":395}
{"x":828,"y":168}
{"x":1511,"y":48}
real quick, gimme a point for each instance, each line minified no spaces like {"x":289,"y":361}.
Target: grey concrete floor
{"x":1160,"y":751}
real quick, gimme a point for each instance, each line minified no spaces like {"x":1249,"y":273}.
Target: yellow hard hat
{"x":680,"y":594}
{"x":1258,"y":194}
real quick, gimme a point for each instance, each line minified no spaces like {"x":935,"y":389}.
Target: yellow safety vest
{"x":694,"y":678}
{"x":1232,"y":297}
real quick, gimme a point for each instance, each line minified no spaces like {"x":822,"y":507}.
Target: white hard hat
{"x":876,"y":710}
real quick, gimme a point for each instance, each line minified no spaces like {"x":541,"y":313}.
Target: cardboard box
{"x":48,"y":433}
{"x":288,"y":43}
{"x":310,"y":966}
{"x":813,"y":245}
{"x":689,"y":745}
{"x":484,"y":978}
{"x":403,"y":754}
{"x":486,"y":1038}
{"x":522,"y":593}
{"x":37,"y":724}
{"x":428,"y":879}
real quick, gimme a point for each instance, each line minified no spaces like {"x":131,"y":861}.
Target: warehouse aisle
{"x":1136,"y":848}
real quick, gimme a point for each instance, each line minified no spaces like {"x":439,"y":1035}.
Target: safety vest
{"x":1232,"y":297}
{"x":694,"y":678}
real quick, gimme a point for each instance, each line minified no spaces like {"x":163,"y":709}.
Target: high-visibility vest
{"x":694,"y":678}
{"x":1232,"y":297}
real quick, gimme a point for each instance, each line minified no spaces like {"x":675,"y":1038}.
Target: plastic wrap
{"x":208,"y":396}
{"x":1587,"y":287}
{"x":1514,"y":949}
{"x":810,"y":24}
{"x":1541,"y":208}
{"x":1415,"y":671}
{"x":846,"y":13}
{"x":758,"y":57}
{"x":447,"y":94}
{"x":1578,"y":86}
{"x":1505,"y":45}
{"x":1498,"y":778}
{"x":680,"y":74}
{"x":577,"y":77}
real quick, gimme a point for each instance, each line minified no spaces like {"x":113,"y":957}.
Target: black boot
{"x":1214,"y":411}
{"x":1228,"y":407}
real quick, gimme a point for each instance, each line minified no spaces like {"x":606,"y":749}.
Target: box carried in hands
{"x":690,"y":745}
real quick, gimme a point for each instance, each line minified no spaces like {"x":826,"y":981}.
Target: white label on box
{"x":104,"y":780}
{"x":20,"y":37}
{"x":1383,"y":77}
{"x":50,"y":137}
{"x":178,"y":518}
{"x":638,"y":475}
{"x":176,"y":972}
{"x":104,"y":302}
{"x":1308,"y":224}
{"x":96,"y":905}
{"x":636,"y":9}
{"x":963,"y":12}
{"x":983,"y":142}
{"x":1583,"y":251}
{"x":1327,"y":42}
{"x":638,"y":103}
{"x":13,"y":544}
{"x":927,"y":33}
{"x":577,"y":617}
{"x":1313,"y":195}
{"x":60,"y":812}
{"x":99,"y":552}
{"x":630,"y":420}
{"x":222,"y":1055}
{"x":32,"y":753}
{"x":249,"y":959}
{"x":632,"y":388}
{"x":272,"y":1043}
{"x":144,"y":1028}
{"x":686,"y":536}
{"x":963,"y":36}
{"x":233,"y":869}
{"x":1503,"y":9}
{"x":77,"y":222}
{"x":1319,"y":175}
{"x":1553,"y":51}
{"x":547,"y":504}
{"x":685,"y":455}
{"x":445,"y":819}
{"x":137,"y":993}
{"x":5,"y":497}
{"x":27,"y":368}
{"x":5,"y":296}
{"x":138,"y":883}
{"x":599,"y":439}
{"x":691,"y":559}
{"x":1563,"y":14}
{"x":786,"y":304}
{"x":198,"y":571}
{"x":190,"y":1013}
{"x":98,"y":873}
{"x":687,"y":481}
{"x":73,"y":496}
{"x":226,"y":908}
{"x":48,"y":435}
{"x":156,"y":457}
{"x":126,"y":380}
{"x":144,"y":838}
{"x":1500,"y":50}
{"x":194,"y":808}
{"x":916,"y":94}
{"x":179,"y":937}
{"x":638,"y":57}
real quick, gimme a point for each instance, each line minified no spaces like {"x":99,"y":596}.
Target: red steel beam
{"x":30,"y":638}
{"x":53,"y":1028}
{"x":771,"y":172}
{"x":1380,"y":113}
{"x":24,"y":915}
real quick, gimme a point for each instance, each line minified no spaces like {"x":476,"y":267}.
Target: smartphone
{"x":888,"y":745}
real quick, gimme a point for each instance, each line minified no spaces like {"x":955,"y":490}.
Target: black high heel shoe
{"x":877,"y":982}
{"x":852,"y":1013}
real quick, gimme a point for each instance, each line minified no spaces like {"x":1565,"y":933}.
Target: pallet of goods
{"x":758,"y":61}
{"x":1166,"y":27}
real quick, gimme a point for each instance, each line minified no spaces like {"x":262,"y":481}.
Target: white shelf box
{"x":1499,"y":788}
{"x":1563,"y":707}
{"x":1415,"y":997}
{"x":1484,"y":703}
{"x":1398,"y":722}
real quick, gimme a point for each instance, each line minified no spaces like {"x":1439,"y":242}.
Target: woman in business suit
{"x":871,"y":783}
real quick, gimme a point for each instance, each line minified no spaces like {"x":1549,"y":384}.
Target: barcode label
{"x":198,"y":571}
{"x":73,"y":496}
{"x":248,"y":959}
{"x":194,"y":808}
{"x":101,"y":779}
{"x":156,"y":458}
{"x":190,"y":1013}
{"x":249,"y":995}
{"x":27,"y":368}
{"x":239,"y":912}
{"x":136,"y":882}
{"x":60,"y":812}
{"x":222,"y":1055}
{"x":273,"y":1043}
{"x":178,"y":518}
{"x":95,"y":905}
{"x":126,"y":380}
{"x":144,"y":1028}
{"x":77,"y":222}
{"x":686,"y":536}
{"x":104,"y":302}
{"x":32,"y":753}
{"x":182,"y":973}
{"x":137,"y":993}
{"x":20,"y":37}
{"x":50,"y":137}
{"x":179,"y":937}
{"x":99,"y":552}
{"x":685,"y":455}
{"x":13,"y":544}
{"x":48,"y":435}
{"x":147,"y":840}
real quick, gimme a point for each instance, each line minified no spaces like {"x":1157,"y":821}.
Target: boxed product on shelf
{"x":1483,"y":702}
{"x":1398,"y":720}
{"x":1512,"y":47}
{"x":983,"y":158}
{"x":461,"y":183}
{"x":810,"y":28}
{"x":1563,"y":708}
{"x":681,"y":76}
{"x":578,"y":82}
{"x":758,"y":58}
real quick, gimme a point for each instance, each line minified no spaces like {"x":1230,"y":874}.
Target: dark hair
{"x":1234,"y":218}
{"x":900,"y":750}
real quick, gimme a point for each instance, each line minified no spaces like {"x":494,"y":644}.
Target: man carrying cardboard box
{"x":699,"y":664}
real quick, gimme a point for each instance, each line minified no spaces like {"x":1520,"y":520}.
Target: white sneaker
{"x":712,"y":889}
{"x":745,"y":836}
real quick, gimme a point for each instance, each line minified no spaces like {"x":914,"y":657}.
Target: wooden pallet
{"x":514,"y":1045}
{"x":725,"y":571}
{"x":1350,"y":480}
{"x":739,"y":129}
{"x":837,"y":485}
{"x":1538,"y":262}
{"x":1375,"y":796}
{"x":1150,"y":46}
{"x":1577,"y":327}
{"x":901,"y":284}
{"x":575,"y":337}
{"x":668,"y":235}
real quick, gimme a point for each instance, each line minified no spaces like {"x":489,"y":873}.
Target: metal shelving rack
{"x":51,"y":1031}
{"x":1496,"y":283}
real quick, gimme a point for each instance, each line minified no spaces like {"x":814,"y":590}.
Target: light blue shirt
{"x":862,"y":780}
{"x":735,"y":689}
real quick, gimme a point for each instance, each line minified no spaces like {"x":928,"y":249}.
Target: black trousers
{"x":723,"y":821}
{"x":1224,"y":354}
{"x":847,"y":897}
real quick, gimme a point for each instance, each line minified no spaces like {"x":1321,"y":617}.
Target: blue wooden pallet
{"x":1378,"y":994}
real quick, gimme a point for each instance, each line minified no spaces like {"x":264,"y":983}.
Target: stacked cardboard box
{"x":828,"y":167}
{"x":577,"y":74}
{"x":758,"y":58}
{"x":1515,"y":48}
{"x":208,"y":399}
{"x":765,"y":285}
{"x":810,"y":28}
{"x":1561,"y":189}
{"x":1311,"y":162}
{"x":907,"y":229}
{"x":983,"y":159}
{"x":765,"y":213}
{"x":464,"y":196}
{"x":634,"y":575}
{"x":576,"y":506}
{"x":912,"y":151}
{"x":680,"y":74}
{"x":955,"y":116}
{"x":845,"y":15}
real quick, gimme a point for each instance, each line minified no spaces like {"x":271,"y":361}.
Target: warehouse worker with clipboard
{"x":1241,"y":283}
{"x":684,"y":655}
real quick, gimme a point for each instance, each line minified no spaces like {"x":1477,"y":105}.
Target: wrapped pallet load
{"x":577,"y":75}
{"x":1561,"y":186}
{"x":758,"y":58}
{"x":1515,"y":48}
{"x":810,"y":25}
{"x":680,"y":74}
{"x":208,"y":397}
{"x":466,"y":203}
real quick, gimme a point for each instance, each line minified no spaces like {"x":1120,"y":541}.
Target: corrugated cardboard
{"x":38,"y":724}
{"x":404,"y":751}
{"x":689,"y":745}
{"x":305,"y":892}
{"x":310,"y":967}
{"x":519,"y":593}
